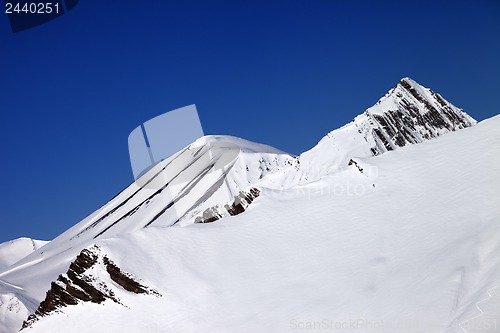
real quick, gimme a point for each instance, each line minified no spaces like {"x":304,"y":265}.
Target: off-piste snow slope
{"x":366,"y":231}
{"x":15,"y":250}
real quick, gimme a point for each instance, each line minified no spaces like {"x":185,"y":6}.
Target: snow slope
{"x":13,"y":309}
{"x":209,"y":171}
{"x":336,"y":191}
{"x":403,"y":242}
{"x":14,"y":250}
{"x":409,"y":113}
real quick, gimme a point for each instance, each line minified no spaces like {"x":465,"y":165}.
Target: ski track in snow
{"x":10,"y":285}
{"x":481,"y":312}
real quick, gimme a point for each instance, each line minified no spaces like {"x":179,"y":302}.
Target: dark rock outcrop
{"x":237,"y":206}
{"x":78,"y":285}
{"x":415,"y":114}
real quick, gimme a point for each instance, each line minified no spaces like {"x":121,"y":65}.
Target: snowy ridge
{"x":315,"y":233}
{"x":14,"y":250}
{"x":407,"y":114}
{"x":306,"y":254}
{"x":211,"y":170}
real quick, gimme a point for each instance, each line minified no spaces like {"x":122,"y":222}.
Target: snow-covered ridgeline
{"x":409,"y":113}
{"x":218,"y":170}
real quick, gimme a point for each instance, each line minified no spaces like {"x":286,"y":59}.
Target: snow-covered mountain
{"x":407,"y":114}
{"x":338,"y":234}
{"x":14,"y":250}
{"x":211,"y":170}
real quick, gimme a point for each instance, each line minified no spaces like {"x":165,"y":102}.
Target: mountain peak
{"x":408,"y":83}
{"x":409,"y":113}
{"x":410,"y":107}
{"x":408,"y":80}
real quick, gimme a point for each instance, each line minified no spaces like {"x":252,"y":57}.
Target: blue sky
{"x":283,"y":73}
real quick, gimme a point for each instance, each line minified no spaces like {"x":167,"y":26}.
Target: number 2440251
{"x":32,"y":8}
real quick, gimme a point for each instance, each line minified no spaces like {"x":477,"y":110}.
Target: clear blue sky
{"x":283,"y":73}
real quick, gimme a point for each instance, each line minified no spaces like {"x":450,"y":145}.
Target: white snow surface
{"x":14,"y":250}
{"x":212,"y":170}
{"x":409,"y":113}
{"x":410,"y":244}
{"x":404,"y":241}
{"x":12,"y":310}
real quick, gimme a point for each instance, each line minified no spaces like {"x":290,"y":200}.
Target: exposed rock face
{"x":410,"y":113}
{"x":125,"y":281}
{"x":237,"y":206}
{"x":79,"y":285}
{"x":356,"y":164}
{"x":407,"y":114}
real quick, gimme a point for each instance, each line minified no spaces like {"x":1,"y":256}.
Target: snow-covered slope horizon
{"x":407,"y":241}
{"x":211,"y":170}
{"x":14,"y":250}
{"x":408,"y":114}
{"x":217,"y":177}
